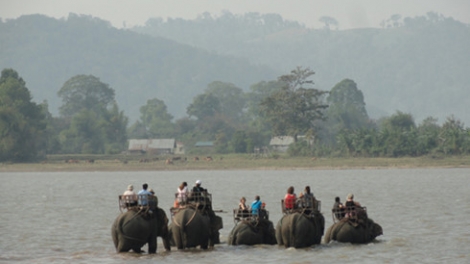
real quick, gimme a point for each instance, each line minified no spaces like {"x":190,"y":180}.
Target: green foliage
{"x":203,"y":106}
{"x":137,"y":131}
{"x":293,"y":110}
{"x":156,"y":119}
{"x":96,"y":125}
{"x":85,"y":92}
{"x":300,"y":148}
{"x":115,"y":127}
{"x":85,"y":135}
{"x":454,"y":138}
{"x":22,"y":122}
{"x":239,"y":143}
{"x":398,"y":137}
{"x":399,"y":121}
{"x":231,"y":99}
{"x":346,"y":110}
{"x":415,"y":63}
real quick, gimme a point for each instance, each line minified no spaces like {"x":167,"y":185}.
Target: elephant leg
{"x":152,"y":245}
{"x":115,"y":238}
{"x":166,"y":243}
{"x":205,"y":244}
{"x":279,"y":234}
{"x":178,"y":238}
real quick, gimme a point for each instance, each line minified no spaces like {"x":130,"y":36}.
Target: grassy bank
{"x":227,"y":162}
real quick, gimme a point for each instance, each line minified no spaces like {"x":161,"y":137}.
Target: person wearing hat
{"x":129,"y":196}
{"x":350,"y":201}
{"x":198,"y":188}
{"x":351,"y":205}
{"x":196,"y":191}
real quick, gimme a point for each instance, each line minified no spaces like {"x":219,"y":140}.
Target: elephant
{"x":248,"y":232}
{"x":351,"y":232}
{"x":191,"y":228}
{"x":133,"y":229}
{"x":300,"y":230}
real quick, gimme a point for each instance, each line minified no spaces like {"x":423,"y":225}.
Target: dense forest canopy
{"x":353,"y":92}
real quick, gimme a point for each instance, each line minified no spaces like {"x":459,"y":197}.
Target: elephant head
{"x":133,"y":229}
{"x":375,"y":230}
{"x":350,"y":232}
{"x":216,"y":224}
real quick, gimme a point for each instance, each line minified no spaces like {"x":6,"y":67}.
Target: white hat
{"x":198,"y":182}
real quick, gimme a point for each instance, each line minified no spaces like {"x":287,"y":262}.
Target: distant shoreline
{"x":239,"y":162}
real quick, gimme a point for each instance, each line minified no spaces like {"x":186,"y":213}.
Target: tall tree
{"x":115,"y":125}
{"x":454,"y":138}
{"x":294,"y":109}
{"x":204,"y":105}
{"x":85,"y":134}
{"x":22,"y":122}
{"x":346,"y":110}
{"x":155,"y":117}
{"x":95,"y":123}
{"x":85,"y":92}
{"x":399,"y":135}
{"x":231,"y":99}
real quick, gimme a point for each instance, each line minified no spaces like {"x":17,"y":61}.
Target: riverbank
{"x":230,"y":162}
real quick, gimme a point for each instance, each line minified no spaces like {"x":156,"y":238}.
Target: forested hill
{"x":47,"y":52}
{"x":418,"y":65}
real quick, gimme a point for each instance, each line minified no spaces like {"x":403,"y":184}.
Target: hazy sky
{"x":349,"y":13}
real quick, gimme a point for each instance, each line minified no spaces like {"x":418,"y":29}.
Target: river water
{"x":66,"y":217}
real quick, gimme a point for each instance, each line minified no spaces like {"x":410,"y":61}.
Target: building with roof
{"x":155,"y":146}
{"x":281,"y":143}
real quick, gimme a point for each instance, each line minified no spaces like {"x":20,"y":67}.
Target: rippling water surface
{"x":67,"y":217}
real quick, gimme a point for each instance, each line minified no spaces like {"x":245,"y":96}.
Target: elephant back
{"x":189,"y":228}
{"x":299,"y":230}
{"x":252,"y":232}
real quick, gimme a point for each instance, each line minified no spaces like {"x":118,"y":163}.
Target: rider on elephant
{"x":338,"y":209}
{"x":153,"y":201}
{"x":290,"y":199}
{"x":257,"y":208}
{"x":354,"y":210}
{"x":129,"y":197}
{"x":143,"y":195}
{"x":204,"y":204}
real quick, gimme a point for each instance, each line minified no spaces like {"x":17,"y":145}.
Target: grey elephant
{"x":254,"y":232}
{"x":191,"y":228}
{"x":351,"y":232}
{"x":300,"y":230}
{"x":133,"y":229}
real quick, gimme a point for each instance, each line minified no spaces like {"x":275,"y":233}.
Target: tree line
{"x":331,"y":123}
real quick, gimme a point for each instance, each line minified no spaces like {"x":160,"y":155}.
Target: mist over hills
{"x":47,"y":52}
{"x":416,"y":65}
